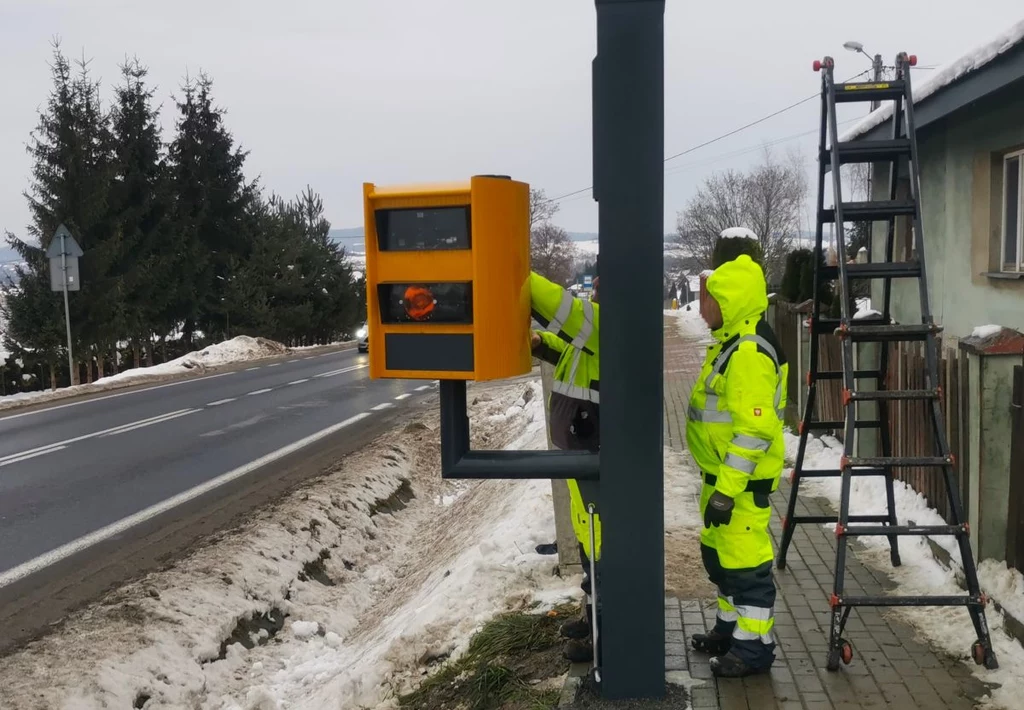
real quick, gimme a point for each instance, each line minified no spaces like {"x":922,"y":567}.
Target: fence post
{"x":568,"y":550}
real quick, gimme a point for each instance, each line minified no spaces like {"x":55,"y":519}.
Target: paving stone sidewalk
{"x":891,"y":668}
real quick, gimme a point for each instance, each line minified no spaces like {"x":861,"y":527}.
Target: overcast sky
{"x":335,"y":93}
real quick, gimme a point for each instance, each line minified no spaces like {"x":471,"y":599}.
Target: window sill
{"x":1006,"y":275}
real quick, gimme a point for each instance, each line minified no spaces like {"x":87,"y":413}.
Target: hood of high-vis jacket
{"x":741,"y":291}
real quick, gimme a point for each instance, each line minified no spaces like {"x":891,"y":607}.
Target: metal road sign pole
{"x":629,"y":143}
{"x":67,"y":310}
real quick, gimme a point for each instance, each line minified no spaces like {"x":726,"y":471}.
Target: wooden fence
{"x":910,"y":424}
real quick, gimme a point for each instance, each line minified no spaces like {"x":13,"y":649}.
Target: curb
{"x":578,"y":674}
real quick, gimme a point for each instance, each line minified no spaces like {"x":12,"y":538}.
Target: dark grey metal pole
{"x":67,"y":308}
{"x":628,"y":183}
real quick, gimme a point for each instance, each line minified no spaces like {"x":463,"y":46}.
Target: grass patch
{"x":503,"y":668}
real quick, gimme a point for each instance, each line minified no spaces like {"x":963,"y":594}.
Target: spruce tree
{"x":209,"y":213}
{"x":140,"y":196}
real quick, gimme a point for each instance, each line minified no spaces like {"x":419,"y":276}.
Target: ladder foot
{"x":894,"y":556}
{"x":983,"y":655}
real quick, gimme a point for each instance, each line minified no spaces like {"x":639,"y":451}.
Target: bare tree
{"x":541,"y":208}
{"x":552,"y":253}
{"x":773,"y":203}
{"x":717,"y":205}
{"x":768,"y":200}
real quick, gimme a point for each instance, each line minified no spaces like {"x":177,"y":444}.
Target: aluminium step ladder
{"x":900,"y":152}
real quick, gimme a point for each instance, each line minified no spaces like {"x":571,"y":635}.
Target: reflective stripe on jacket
{"x":734,"y":424}
{"x":570,"y":343}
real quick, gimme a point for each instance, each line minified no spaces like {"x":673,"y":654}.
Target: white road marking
{"x":250,"y":369}
{"x":32,"y":455}
{"x":263,"y":391}
{"x":274,"y":364}
{"x":298,"y":382}
{"x":309,"y":358}
{"x":105,"y":533}
{"x":221,"y":401}
{"x":381,"y":407}
{"x":342,"y":371}
{"x":291,"y":361}
{"x":83,"y":437}
{"x":424,"y":387}
{"x":403,"y":396}
{"x":112,"y":396}
{"x":168,"y":418}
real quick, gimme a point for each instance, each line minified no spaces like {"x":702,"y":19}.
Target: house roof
{"x":985,"y":69}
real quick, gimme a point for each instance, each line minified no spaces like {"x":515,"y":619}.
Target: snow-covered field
{"x":356,"y":581}
{"x":922,"y":574}
{"x":239,"y":349}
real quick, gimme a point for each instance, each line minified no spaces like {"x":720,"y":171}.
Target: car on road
{"x":363,"y":336}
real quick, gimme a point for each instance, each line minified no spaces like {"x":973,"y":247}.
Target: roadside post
{"x":63,"y":254}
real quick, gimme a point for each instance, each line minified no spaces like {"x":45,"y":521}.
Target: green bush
{"x":729,"y":248}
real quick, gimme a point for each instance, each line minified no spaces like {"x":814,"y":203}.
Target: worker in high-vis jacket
{"x":734,"y":432}
{"x":569,"y":341}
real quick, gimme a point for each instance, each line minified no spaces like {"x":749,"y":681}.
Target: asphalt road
{"x":76,"y":475}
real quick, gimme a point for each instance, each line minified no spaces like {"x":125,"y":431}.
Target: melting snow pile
{"x":986,"y":331}
{"x":336,"y":598}
{"x":239,"y":349}
{"x":922,"y":574}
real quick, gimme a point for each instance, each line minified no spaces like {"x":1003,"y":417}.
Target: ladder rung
{"x":898,"y":461}
{"x":873,"y":91}
{"x":904,"y":530}
{"x":960,"y":600}
{"x":836,"y":473}
{"x":872,"y":151}
{"x":877,"y":270}
{"x":871,"y":211}
{"x":886,"y":395}
{"x":838,"y":374}
{"x":828,"y":326}
{"x":826,"y":425}
{"x":823,"y":519}
{"x":860,"y":333}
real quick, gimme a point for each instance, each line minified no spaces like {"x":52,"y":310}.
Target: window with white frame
{"x":1013,"y":212}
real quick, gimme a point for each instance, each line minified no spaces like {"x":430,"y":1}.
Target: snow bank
{"x":690,"y":323}
{"x":986,"y":331}
{"x":239,"y":349}
{"x":921,"y":574}
{"x":944,"y":76}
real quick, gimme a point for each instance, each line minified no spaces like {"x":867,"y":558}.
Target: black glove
{"x":719,"y":510}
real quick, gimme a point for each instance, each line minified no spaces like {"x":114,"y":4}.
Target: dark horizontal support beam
{"x":526,"y":465}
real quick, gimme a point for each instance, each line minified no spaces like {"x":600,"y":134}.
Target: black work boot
{"x":579,"y":651}
{"x":714,"y":642}
{"x":729,"y":666}
{"x":577,"y":629}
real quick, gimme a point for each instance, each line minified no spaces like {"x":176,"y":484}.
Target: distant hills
{"x":352,"y":233}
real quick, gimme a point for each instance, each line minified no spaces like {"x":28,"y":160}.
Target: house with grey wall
{"x":970,"y":132}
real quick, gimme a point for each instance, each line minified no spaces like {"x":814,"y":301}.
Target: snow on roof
{"x":946,"y":75}
{"x":986,"y":331}
{"x":739,"y":233}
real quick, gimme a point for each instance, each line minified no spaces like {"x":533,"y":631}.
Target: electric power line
{"x":719,"y":138}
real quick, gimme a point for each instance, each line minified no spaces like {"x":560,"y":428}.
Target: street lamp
{"x":876,"y":64}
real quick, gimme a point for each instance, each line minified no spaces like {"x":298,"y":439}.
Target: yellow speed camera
{"x":447,"y":279}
